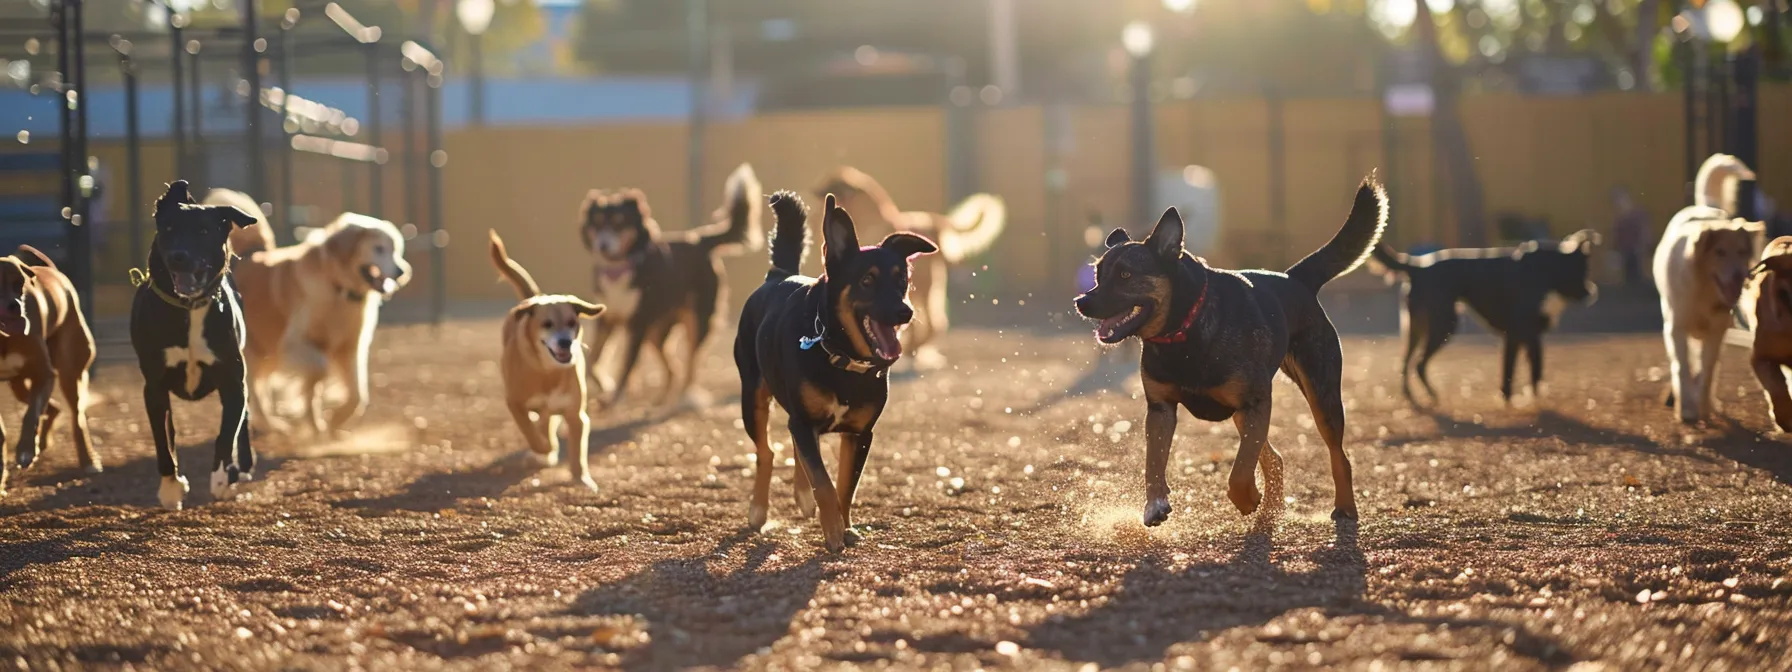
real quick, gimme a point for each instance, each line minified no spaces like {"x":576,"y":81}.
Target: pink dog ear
{"x":908,"y":245}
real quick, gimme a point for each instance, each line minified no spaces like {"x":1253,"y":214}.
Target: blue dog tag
{"x":807,"y":342}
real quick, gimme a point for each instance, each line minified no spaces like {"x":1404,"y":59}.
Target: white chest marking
{"x":618,"y":294}
{"x":195,"y":353}
{"x":838,"y":412}
{"x":1553,"y":305}
{"x":558,"y":402}
{"x":10,"y":365}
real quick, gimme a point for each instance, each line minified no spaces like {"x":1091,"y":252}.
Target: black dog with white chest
{"x":187,"y":329}
{"x":822,"y":347}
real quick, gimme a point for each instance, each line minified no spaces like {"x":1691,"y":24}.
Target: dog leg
{"x":578,"y":429}
{"x":539,"y":447}
{"x":233,"y":394}
{"x":42,"y":382}
{"x":1270,"y":463}
{"x":1436,"y":334}
{"x":354,"y":376}
{"x":1415,"y":336}
{"x":1773,"y":381}
{"x":1253,"y":434}
{"x":161,"y":428}
{"x":5,"y":460}
{"x":1533,"y":351}
{"x":1681,"y":380}
{"x":599,"y":337}
{"x":547,"y":425}
{"x":808,"y":453}
{"x":1508,"y":362}
{"x":1160,"y":430}
{"x":74,"y":392}
{"x":1318,"y":370}
{"x":854,"y":449}
{"x":630,"y":357}
{"x":804,"y":490}
{"x":1711,"y":348}
{"x":756,"y":411}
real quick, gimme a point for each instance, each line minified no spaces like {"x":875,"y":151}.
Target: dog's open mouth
{"x":1729,"y":287}
{"x":884,"y":342}
{"x":1117,"y":328}
{"x":378,"y":281}
{"x":559,"y":355}
{"x":188,"y":285}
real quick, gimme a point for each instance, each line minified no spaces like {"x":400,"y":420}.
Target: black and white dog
{"x":187,"y":329}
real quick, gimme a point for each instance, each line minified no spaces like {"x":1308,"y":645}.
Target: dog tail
{"x":1353,"y":243}
{"x":34,"y":257}
{"x":741,"y":197}
{"x":512,"y":271}
{"x":972,"y":227}
{"x":790,"y":240}
{"x":249,"y":239}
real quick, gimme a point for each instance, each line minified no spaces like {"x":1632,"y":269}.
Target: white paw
{"x":547,"y":459}
{"x":588,"y":483}
{"x":95,"y":468}
{"x":756,"y":517}
{"x":174,"y":488}
{"x":222,"y":488}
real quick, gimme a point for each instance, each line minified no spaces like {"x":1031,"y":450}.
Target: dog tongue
{"x":883,"y":340}
{"x":1731,"y":289}
{"x":388,"y":285}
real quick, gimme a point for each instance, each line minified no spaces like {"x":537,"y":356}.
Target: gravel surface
{"x":1001,"y":530}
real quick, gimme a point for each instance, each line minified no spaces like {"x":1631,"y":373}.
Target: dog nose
{"x":904,"y":314}
{"x":564,"y":343}
{"x":180,"y":262}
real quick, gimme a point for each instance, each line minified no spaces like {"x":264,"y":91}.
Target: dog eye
{"x":1126,"y":275}
{"x":867,"y":281}
{"x":547,"y":324}
{"x":379,"y":249}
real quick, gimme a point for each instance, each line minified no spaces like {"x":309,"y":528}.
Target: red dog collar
{"x":1181,"y":333}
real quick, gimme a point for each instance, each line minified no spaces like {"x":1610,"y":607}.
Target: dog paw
{"x":852,"y":536}
{"x":587,"y":482}
{"x":94,"y":468}
{"x":174,"y":489}
{"x":27,"y":457}
{"x":756,"y":518}
{"x":547,"y":459}
{"x":1156,"y":512}
{"x":1344,"y":513}
{"x":224,"y":483}
{"x":1246,"y":498}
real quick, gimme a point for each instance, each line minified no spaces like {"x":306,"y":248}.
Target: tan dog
{"x":543,"y":366}
{"x":970,"y":229}
{"x":1767,"y":303}
{"x":311,"y":309}
{"x":1701,"y":265}
{"x":44,"y":341}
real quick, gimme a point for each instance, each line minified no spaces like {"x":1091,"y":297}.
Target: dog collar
{"x":838,"y":360}
{"x":140,"y":277}
{"x":1181,"y":333}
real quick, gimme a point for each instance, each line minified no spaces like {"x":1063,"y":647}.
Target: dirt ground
{"x":1001,"y":522}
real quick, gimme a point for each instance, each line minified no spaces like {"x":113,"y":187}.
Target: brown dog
{"x":970,"y":229}
{"x":311,"y":308}
{"x":44,"y":341}
{"x":1767,"y":303}
{"x":544,"y":366}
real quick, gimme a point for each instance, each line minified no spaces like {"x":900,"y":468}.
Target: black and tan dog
{"x":44,"y":344}
{"x":822,"y":348}
{"x":187,"y":329}
{"x":1214,"y":339}
{"x":1518,"y":292}
{"x":653,"y":281}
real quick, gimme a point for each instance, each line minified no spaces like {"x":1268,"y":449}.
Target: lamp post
{"x":475,"y":16}
{"x":1138,"y":40}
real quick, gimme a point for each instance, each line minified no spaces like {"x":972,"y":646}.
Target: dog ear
{"x":1751,"y":227}
{"x":1581,"y":241}
{"x":908,"y":245}
{"x":839,"y":242}
{"x":1527,"y":247}
{"x":1118,"y":237}
{"x":588,"y":309}
{"x":176,"y":195}
{"x":237,"y":216}
{"x":1166,"y":238}
{"x":343,"y":242}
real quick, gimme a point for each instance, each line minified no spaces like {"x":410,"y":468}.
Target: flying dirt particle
{"x":1007,"y":648}
{"x":1013,"y":442}
{"x":1028,"y":470}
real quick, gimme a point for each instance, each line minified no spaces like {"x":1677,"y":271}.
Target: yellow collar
{"x":140,"y":277}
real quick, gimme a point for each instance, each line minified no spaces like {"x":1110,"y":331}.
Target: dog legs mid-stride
{"x":187,"y":329}
{"x":1214,"y":339}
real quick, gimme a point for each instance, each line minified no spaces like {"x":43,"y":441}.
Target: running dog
{"x":187,"y":329}
{"x":544,"y":368}
{"x":652,"y":281}
{"x":44,"y":343}
{"x":312,"y":308}
{"x":1519,"y":292}
{"x":969,"y":230}
{"x":1767,"y":303}
{"x":1214,"y":339}
{"x":822,"y":347}
{"x":250,"y":239}
{"x":1701,"y":266}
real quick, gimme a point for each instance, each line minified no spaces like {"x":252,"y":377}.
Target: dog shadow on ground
{"x":1751,"y":448}
{"x":1111,"y":371}
{"x":1158,"y":606}
{"x":132,"y":483}
{"x":1546,"y":423}
{"x":443,"y":490}
{"x":697,"y":618}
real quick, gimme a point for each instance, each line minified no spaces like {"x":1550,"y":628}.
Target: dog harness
{"x":1181,"y":333}
{"x":838,"y":360}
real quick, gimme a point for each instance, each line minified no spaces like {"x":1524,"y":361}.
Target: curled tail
{"x":249,"y":239}
{"x":790,"y":238}
{"x":33,"y":257}
{"x":741,"y":197}
{"x":512,"y":271}
{"x":972,"y":227}
{"x":1353,"y":243}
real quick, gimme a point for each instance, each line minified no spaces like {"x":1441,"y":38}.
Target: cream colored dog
{"x":311,"y":309}
{"x":543,"y":366}
{"x":1700,"y":267}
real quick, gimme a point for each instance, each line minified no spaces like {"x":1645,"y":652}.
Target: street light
{"x":475,"y":17}
{"x":1724,"y":19}
{"x":1138,"y":41}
